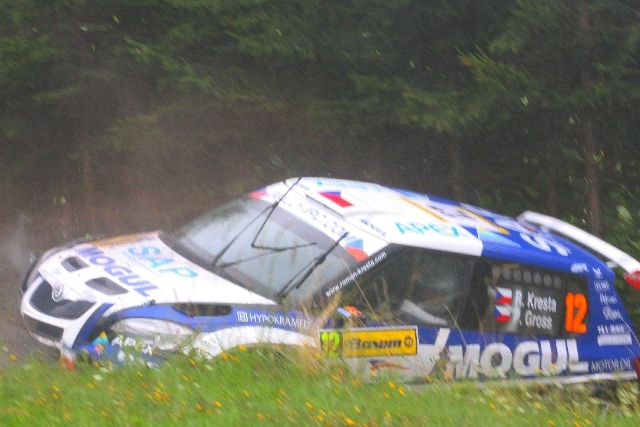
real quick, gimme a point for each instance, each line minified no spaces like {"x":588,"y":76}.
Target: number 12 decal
{"x":576,"y":305}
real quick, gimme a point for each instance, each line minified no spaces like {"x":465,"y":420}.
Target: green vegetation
{"x":511,"y":104}
{"x":115,"y":107}
{"x":263,"y":387}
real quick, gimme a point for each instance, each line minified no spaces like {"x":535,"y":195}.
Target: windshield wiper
{"x":310,"y":267}
{"x":271,"y":208}
{"x":271,"y":250}
{"x":264,"y":223}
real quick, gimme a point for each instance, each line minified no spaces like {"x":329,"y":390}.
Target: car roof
{"x":403,"y":217}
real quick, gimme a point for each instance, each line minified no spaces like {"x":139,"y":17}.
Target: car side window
{"x":431,"y":288}
{"x":415,"y":286}
{"x":517,"y":298}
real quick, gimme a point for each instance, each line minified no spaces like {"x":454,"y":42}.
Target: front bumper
{"x":57,"y":322}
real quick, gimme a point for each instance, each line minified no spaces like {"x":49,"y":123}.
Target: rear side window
{"x":511,"y":297}
{"x":431,"y":288}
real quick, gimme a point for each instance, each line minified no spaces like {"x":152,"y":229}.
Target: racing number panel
{"x":528,"y":300}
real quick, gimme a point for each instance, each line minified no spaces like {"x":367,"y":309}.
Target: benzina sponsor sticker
{"x":367,"y":342}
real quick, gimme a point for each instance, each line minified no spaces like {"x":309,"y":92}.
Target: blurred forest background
{"x":120,"y":115}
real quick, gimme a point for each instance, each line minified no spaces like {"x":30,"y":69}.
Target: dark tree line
{"x":113,"y":107}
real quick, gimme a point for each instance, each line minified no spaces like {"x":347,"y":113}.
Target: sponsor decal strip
{"x":123,"y":274}
{"x":369,"y":342}
{"x":153,"y":258}
{"x":353,"y":276}
{"x":495,"y":360}
{"x":275,"y":319}
{"x":604,"y":340}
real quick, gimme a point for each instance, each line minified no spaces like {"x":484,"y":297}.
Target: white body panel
{"x":141,"y":264}
{"x":213,"y":343}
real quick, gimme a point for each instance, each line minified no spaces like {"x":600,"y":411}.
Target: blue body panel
{"x":238,"y":316}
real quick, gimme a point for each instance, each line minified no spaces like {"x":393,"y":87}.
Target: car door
{"x":379,"y":322}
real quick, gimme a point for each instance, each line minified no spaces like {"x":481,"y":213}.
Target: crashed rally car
{"x":381,"y":278}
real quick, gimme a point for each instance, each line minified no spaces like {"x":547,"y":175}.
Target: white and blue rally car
{"x":382,"y":278}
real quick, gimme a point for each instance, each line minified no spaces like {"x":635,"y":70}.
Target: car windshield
{"x":262,"y":247}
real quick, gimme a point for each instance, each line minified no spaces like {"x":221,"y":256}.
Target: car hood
{"x":130,"y":270}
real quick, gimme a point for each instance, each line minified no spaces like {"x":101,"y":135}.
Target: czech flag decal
{"x":356,"y":249}
{"x":258,"y":194}
{"x":502,"y":314}
{"x":503,"y":296}
{"x":336,"y":197}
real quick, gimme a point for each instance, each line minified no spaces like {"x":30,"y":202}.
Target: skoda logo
{"x":56,"y":293}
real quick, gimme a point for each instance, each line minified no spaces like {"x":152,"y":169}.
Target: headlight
{"x":159,"y":334}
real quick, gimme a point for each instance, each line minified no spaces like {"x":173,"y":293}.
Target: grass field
{"x":261,"y":387}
